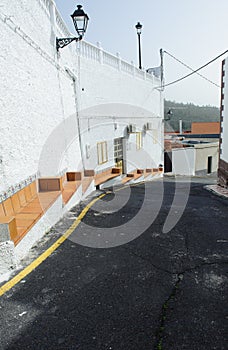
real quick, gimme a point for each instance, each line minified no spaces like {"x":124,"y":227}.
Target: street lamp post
{"x":139,"y":31}
{"x":80,"y":20}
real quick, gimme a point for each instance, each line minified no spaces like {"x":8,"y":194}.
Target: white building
{"x":197,"y":159}
{"x":223,"y":161}
{"x":77,"y":113}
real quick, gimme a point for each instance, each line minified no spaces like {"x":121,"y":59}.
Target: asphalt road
{"x":128,"y":285}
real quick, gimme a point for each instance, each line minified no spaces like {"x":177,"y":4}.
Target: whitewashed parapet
{"x":93,"y":52}
{"x":150,"y":77}
{"x":119,"y":60}
{"x":139,"y":73}
{"x":110,"y":60}
{"x":127,"y":67}
{"x":61,"y":27}
{"x":97,"y":53}
{"x":45,"y":4}
{"x":90,"y":51}
{"x":133,"y":68}
{"x":100,"y":52}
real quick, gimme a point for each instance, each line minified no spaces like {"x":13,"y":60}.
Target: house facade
{"x":192,"y":158}
{"x":70,"y":120}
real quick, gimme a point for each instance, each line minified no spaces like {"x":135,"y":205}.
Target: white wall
{"x":35,"y":96}
{"x":194,"y":160}
{"x":44,"y":97}
{"x":183,"y":161}
{"x":53,"y":105}
{"x":224,"y":135}
{"x":112,"y":91}
{"x":202,"y":153}
{"x":97,"y":129}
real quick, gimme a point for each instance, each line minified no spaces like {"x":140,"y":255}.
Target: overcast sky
{"x":194,"y":31}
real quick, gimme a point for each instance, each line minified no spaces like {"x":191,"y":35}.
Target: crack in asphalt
{"x":165,"y":305}
{"x":208,"y":263}
{"x":149,"y":261}
{"x":180,"y":276}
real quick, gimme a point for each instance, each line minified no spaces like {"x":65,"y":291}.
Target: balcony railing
{"x":92,"y":52}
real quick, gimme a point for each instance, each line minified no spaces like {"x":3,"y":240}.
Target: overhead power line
{"x":194,"y":71}
{"x":185,"y":65}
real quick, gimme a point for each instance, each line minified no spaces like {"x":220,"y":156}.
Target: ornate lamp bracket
{"x":62,"y":42}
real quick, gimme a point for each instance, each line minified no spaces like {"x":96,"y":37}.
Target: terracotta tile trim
{"x":17,"y":187}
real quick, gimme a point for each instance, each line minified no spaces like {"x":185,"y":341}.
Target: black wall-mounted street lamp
{"x":139,"y":32}
{"x":80,"y":20}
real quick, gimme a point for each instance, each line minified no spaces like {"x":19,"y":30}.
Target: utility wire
{"x":194,"y":71}
{"x":185,"y":65}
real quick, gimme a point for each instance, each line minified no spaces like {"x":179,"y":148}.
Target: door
{"x":168,"y":162}
{"x":209,"y":165}
{"x":118,"y":153}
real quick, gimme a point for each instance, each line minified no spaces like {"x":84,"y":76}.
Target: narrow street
{"x":146,"y":290}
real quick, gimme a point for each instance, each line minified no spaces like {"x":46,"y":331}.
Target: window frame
{"x":139,"y":144}
{"x":102,"y":152}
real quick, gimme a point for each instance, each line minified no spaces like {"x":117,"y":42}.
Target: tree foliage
{"x":188,"y":113}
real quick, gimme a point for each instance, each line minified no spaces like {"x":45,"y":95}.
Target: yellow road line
{"x":7,"y":286}
{"x":27,"y":270}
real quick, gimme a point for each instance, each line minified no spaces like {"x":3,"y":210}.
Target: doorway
{"x":209,"y":165}
{"x":168,"y":162}
{"x":118,"y":153}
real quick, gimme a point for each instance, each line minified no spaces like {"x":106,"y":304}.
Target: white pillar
{"x":133,"y":68}
{"x":100,"y":52}
{"x":180,"y":127}
{"x":119,"y":60}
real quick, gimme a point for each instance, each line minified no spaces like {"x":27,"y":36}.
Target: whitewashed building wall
{"x":46,"y":97}
{"x":133,"y":101}
{"x":194,"y":160}
{"x":183,"y":161}
{"x":36,"y":94}
{"x":40,"y":102}
{"x":223,"y":161}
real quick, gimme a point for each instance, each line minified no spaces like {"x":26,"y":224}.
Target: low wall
{"x":183,"y":161}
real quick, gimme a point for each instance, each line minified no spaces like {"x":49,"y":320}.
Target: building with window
{"x":70,"y":120}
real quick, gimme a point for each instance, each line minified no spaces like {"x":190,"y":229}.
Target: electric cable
{"x":185,"y":65}
{"x":194,"y":71}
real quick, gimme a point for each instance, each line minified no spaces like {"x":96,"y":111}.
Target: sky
{"x":193,"y":31}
